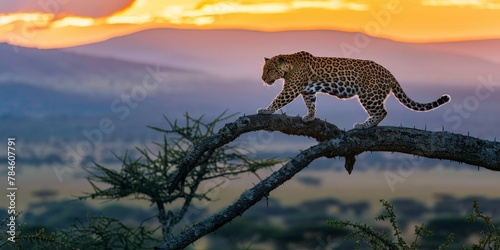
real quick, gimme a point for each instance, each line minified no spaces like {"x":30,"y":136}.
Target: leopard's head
{"x":274,"y":69}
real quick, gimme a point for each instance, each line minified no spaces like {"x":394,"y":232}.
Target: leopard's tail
{"x":411,"y":104}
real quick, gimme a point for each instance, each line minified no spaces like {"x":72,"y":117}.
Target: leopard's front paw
{"x":362,"y":126}
{"x":265,"y":111}
{"x":308,"y":118}
{"x":358,"y":126}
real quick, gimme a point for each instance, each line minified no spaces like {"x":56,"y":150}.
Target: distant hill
{"x":70,"y":72}
{"x":21,"y":99}
{"x":239,"y":53}
{"x":39,"y":83}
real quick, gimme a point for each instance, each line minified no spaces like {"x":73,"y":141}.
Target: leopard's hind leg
{"x":376,"y":113}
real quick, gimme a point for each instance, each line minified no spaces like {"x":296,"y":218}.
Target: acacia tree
{"x":332,"y":143}
{"x":147,"y":176}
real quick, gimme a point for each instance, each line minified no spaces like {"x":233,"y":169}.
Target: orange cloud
{"x":479,"y":4}
{"x":38,"y":22}
{"x":59,"y":9}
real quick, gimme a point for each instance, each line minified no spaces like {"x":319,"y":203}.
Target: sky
{"x":65,"y":23}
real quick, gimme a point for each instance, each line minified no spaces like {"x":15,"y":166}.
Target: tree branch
{"x":246,"y":200}
{"x":333,"y":143}
{"x":289,"y":125}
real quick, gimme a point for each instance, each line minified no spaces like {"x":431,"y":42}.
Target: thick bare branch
{"x":246,"y":200}
{"x":333,"y":143}
{"x":437,"y":145}
{"x":289,"y":125}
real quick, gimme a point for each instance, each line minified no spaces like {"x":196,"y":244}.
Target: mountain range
{"x":208,"y":71}
{"x":240,"y":53}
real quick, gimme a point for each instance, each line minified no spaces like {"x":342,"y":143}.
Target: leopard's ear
{"x":283,"y":65}
{"x":281,"y":59}
{"x":266,"y":59}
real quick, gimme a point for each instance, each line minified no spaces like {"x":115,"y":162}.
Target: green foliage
{"x":490,"y":238}
{"x":24,"y":239}
{"x":243,"y":231}
{"x":107,"y":233}
{"x":97,"y":233}
{"x":382,"y":240}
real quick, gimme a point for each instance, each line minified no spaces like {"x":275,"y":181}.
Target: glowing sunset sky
{"x":61,"y":23}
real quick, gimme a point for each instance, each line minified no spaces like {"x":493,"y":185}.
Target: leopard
{"x":306,"y":75}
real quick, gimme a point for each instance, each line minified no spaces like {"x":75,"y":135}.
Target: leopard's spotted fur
{"x":305,"y":74}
